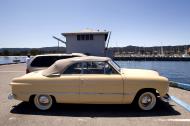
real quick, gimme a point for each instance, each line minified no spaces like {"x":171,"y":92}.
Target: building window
{"x":82,"y":37}
{"x":85,"y":37}
{"x":91,"y":37}
{"x":78,"y":37}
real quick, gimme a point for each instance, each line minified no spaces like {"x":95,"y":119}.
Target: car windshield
{"x":114,"y":64}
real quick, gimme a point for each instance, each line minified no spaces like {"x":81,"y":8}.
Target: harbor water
{"x":177,"y":71}
{"x":12,"y":59}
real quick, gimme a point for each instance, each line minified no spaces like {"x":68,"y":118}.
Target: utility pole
{"x":162,"y":51}
{"x":58,"y":45}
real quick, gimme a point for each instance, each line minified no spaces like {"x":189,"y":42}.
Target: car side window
{"x":98,"y":68}
{"x":43,"y":61}
{"x":74,"y":69}
{"x":108,"y":69}
{"x":46,"y":61}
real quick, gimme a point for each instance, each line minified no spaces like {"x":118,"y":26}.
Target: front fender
{"x":133,"y":85}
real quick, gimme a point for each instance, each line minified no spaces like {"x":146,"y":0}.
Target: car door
{"x":100,"y":85}
{"x":70,"y":83}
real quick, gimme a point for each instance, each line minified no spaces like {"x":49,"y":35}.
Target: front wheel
{"x":43,"y":102}
{"x":146,"y":101}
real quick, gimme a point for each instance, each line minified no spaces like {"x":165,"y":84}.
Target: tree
{"x":6,"y":52}
{"x":34,"y":52}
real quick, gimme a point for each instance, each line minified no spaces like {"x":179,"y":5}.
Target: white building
{"x":87,"y":41}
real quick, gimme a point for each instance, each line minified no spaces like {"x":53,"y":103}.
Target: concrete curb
{"x":180,"y":85}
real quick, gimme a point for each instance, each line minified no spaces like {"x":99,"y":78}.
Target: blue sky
{"x":25,"y":23}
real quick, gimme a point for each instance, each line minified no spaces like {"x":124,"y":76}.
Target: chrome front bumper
{"x":11,"y":96}
{"x":166,"y":98}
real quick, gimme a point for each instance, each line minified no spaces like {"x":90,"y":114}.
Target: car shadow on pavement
{"x":86,"y":110}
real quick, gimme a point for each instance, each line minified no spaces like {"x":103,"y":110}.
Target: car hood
{"x":139,"y":72}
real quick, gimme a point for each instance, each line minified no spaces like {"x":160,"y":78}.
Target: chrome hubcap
{"x":43,"y":100}
{"x":146,"y":99}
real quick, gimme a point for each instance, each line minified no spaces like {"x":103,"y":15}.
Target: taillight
{"x":27,"y":71}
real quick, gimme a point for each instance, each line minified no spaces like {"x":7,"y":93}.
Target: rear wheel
{"x":146,"y":101}
{"x":43,"y":102}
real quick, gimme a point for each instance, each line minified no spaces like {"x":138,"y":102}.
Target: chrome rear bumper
{"x":11,"y":96}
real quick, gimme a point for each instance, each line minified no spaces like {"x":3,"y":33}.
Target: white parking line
{"x":11,"y":71}
{"x":181,"y":103}
{"x":175,"y":120}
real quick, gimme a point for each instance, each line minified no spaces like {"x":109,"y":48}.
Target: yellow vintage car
{"x":90,"y":80}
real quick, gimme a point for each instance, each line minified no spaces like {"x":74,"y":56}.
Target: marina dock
{"x":149,"y":58}
{"x":20,"y":113}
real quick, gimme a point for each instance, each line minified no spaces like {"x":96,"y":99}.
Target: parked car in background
{"x":40,"y":62}
{"x":90,"y":80}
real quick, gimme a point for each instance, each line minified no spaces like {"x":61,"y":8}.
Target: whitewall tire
{"x":43,"y":102}
{"x":147,"y":101}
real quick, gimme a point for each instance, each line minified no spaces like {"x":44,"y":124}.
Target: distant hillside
{"x":127,"y":50}
{"x":28,"y":49}
{"x":156,"y":50}
{"x":32,"y":51}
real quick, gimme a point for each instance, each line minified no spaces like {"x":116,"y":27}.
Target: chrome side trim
{"x":83,"y":93}
{"x":93,"y":93}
